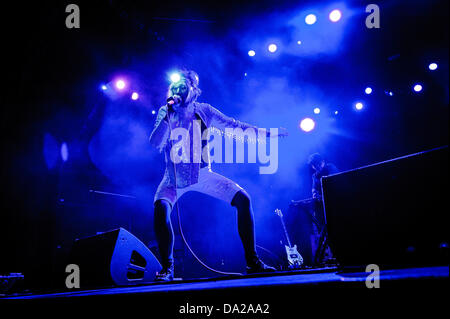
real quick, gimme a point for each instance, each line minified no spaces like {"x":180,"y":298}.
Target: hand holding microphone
{"x":173,"y":100}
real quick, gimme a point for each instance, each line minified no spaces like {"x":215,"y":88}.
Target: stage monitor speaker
{"x":392,"y":213}
{"x":115,"y":257}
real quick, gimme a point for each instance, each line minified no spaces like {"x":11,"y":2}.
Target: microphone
{"x":172,"y":100}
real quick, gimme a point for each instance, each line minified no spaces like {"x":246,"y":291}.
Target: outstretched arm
{"x":222,"y":121}
{"x":160,"y":134}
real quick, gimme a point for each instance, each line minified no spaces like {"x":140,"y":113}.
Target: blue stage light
{"x":368,"y":90}
{"x":251,"y":53}
{"x":153,"y":112}
{"x":335,"y":15}
{"x":336,"y":112}
{"x":175,"y":77}
{"x":316,"y":110}
{"x":359,"y":106}
{"x":417,"y":88}
{"x":134,"y":96}
{"x":272,"y":47}
{"x":299,"y":42}
{"x":310,"y":19}
{"x":307,"y":124}
{"x":433,"y":66}
{"x":64,"y":152}
{"x":104,"y":87}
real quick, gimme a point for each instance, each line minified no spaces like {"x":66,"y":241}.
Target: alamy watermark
{"x":373,"y":19}
{"x":266,"y":153}
{"x":73,"y":19}
{"x":373,"y":279}
{"x":73,"y":279}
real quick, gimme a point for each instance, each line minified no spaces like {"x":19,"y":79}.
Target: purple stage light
{"x":307,"y":124}
{"x":120,"y":84}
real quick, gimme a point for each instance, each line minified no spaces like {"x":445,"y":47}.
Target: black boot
{"x":166,"y":274}
{"x":257,"y":266}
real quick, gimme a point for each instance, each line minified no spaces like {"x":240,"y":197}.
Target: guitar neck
{"x":285,"y":232}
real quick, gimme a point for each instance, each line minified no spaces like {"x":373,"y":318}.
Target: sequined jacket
{"x":187,"y":173}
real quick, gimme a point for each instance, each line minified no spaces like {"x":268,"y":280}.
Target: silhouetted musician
{"x":321,"y":168}
{"x":314,"y":208}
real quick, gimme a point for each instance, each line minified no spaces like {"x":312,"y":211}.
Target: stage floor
{"x":313,"y":278}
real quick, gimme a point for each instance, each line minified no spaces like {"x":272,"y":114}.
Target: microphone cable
{"x":179,"y":217}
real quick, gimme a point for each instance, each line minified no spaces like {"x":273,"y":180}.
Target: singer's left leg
{"x":246,"y":224}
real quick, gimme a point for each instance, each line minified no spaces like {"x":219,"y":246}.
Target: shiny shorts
{"x":209,"y":183}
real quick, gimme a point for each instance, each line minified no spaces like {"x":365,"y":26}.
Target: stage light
{"x":245,"y":74}
{"x":433,"y":66}
{"x":336,"y":112}
{"x":120,"y":84}
{"x":134,"y":96}
{"x":417,"y":87}
{"x":251,"y":53}
{"x":335,"y":15}
{"x":153,"y":112}
{"x":104,"y":87}
{"x":299,"y":42}
{"x":316,"y":110}
{"x":368,"y":90}
{"x":307,"y":124}
{"x":64,"y":152}
{"x":175,"y":77}
{"x":310,"y":19}
{"x":272,"y":47}
{"x":359,"y":106}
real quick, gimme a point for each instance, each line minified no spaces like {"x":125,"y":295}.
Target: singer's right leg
{"x":164,"y":231}
{"x":165,"y":238}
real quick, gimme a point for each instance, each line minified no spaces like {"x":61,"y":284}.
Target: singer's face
{"x":181,"y":89}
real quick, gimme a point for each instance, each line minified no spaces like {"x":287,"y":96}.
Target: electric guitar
{"x":294,"y":258}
